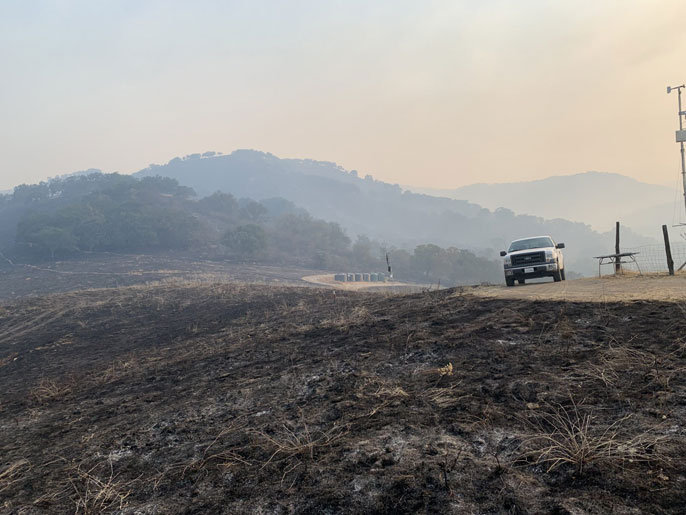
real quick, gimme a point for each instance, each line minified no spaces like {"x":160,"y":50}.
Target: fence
{"x":653,"y":258}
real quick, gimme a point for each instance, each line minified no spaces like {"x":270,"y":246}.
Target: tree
{"x":247,"y":241}
{"x":52,"y":239}
{"x":26,"y":194}
{"x":362,"y":251}
{"x":425,"y":258}
{"x":222,"y":204}
{"x":254,"y":212}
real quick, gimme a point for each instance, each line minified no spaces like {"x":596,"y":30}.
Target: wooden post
{"x":618,"y":266}
{"x":668,"y":250}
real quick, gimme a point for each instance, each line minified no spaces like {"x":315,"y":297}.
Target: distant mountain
{"x":385,"y":211}
{"x":594,"y":198}
{"x":326,"y":190}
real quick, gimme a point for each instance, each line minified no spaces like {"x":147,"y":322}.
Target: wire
{"x":653,"y":258}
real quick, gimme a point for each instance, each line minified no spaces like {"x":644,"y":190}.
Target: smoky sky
{"x":432,"y":93}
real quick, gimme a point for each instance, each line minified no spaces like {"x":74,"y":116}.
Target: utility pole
{"x":681,"y":137}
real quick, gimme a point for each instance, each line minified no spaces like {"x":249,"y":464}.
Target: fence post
{"x":668,"y":250}
{"x":618,"y":266}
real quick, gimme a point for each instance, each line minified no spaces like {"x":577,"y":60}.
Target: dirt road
{"x":605,"y":289}
{"x":328,"y":280}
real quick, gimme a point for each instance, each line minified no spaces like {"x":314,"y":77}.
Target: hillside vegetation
{"x":70,"y":217}
{"x":247,"y":399}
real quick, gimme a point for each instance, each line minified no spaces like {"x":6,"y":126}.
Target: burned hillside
{"x":229,"y":398}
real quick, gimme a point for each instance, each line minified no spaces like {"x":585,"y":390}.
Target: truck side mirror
{"x":503,"y":253}
{"x":560,"y":246}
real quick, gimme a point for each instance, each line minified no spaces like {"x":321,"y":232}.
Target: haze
{"x":436,"y":93}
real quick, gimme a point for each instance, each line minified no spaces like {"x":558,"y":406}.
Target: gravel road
{"x":604,"y":289}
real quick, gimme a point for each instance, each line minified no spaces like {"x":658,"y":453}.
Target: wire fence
{"x":653,"y":258}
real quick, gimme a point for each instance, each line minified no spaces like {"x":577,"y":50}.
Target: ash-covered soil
{"x":257,"y":399}
{"x":109,"y":270}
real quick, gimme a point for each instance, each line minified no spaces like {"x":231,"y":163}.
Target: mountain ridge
{"x":382,"y":210}
{"x":585,"y":198}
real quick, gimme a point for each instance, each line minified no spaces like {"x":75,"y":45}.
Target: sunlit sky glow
{"x":430,"y":93}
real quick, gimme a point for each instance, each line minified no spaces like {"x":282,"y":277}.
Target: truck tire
{"x":562,"y":274}
{"x":557,"y":276}
{"x":509,"y":281}
{"x":521,"y":281}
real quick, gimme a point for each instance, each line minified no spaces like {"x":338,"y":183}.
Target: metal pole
{"x":683,"y":162}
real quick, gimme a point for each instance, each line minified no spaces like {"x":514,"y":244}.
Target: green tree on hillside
{"x":222,"y":205}
{"x":248,"y":241}
{"x":254,"y":212}
{"x":426,"y":258}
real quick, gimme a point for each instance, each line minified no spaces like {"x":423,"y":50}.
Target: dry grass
{"x":226,"y":457}
{"x":624,"y":367}
{"x":48,"y":390}
{"x":570,"y":435}
{"x":13,"y":473}
{"x":293,"y":441}
{"x":346,"y":315}
{"x":445,"y":397}
{"x":391,"y":391}
{"x":292,"y":445}
{"x":446,"y":370}
{"x":286,"y":448}
{"x":93,"y":494}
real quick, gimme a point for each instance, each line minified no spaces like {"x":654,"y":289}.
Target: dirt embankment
{"x":257,"y":399}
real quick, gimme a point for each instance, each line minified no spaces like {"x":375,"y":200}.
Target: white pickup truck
{"x":530,"y":258}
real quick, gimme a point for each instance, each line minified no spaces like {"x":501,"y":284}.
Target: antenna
{"x":681,"y":136}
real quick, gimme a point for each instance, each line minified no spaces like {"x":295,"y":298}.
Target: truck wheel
{"x":509,"y":281}
{"x":520,"y":281}
{"x":557,"y":277}
{"x":562,"y":274}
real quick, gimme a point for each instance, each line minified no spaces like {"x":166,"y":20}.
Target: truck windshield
{"x":531,"y":243}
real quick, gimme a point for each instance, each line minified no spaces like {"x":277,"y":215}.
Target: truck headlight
{"x":508,"y":261}
{"x":548,"y":255}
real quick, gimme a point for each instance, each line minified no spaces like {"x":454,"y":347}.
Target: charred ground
{"x":186,"y":398}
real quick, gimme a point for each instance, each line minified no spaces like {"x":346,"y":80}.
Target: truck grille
{"x":531,"y":258}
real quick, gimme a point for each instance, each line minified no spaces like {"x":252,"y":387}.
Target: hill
{"x":78,"y":215}
{"x":244,"y":399}
{"x":384,"y":211}
{"x":361,"y":205}
{"x":594,"y":198}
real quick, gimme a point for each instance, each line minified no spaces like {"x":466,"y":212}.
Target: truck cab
{"x":531,"y":258}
